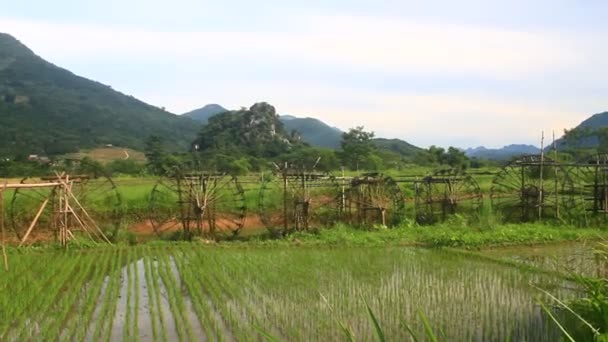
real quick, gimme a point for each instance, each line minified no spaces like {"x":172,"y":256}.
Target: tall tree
{"x":357,"y":147}
{"x":156,"y":154}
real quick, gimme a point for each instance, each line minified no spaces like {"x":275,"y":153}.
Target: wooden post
{"x":285,"y":201}
{"x":2,"y":227}
{"x":556,"y":178}
{"x":540,"y":188}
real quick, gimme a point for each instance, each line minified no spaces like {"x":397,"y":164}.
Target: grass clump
{"x":445,"y":235}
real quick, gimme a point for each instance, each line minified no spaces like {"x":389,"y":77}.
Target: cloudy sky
{"x":462,"y":73}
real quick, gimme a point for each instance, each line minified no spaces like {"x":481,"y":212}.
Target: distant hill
{"x":45,"y":109}
{"x":586,"y":135}
{"x":398,"y":146}
{"x":503,"y":153}
{"x":256,"y":132}
{"x":313,"y":131}
{"x":202,"y":115}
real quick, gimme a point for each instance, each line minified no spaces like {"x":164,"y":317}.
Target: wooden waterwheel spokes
{"x":57,"y":205}
{"x":297,"y":200}
{"x":198,"y":202}
{"x":28,"y":203}
{"x":164,"y":212}
{"x":373,"y":199}
{"x":590,"y":177}
{"x":444,"y":193}
{"x":532,"y":188}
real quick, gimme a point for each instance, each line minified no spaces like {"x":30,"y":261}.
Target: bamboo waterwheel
{"x":445,"y":193}
{"x":590,"y":177}
{"x":294,"y":199}
{"x":532,"y":188}
{"x":97,"y":198}
{"x":202,"y":203}
{"x":373,"y":199}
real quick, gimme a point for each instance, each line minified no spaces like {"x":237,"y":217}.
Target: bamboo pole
{"x":86,"y":215}
{"x":28,"y":186}
{"x":556,"y":178}
{"x":33,"y":224}
{"x":79,"y":221}
{"x":540,"y":188}
{"x":4,"y":256}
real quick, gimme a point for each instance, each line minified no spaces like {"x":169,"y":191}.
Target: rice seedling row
{"x":82,"y":320}
{"x":199,"y":298}
{"x":189,"y":292}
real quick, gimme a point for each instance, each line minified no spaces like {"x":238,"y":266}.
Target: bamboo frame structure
{"x":66,"y":211}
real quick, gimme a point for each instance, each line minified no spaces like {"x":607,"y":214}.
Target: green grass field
{"x":189,"y":292}
{"x":329,"y":283}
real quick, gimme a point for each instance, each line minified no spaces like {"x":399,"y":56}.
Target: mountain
{"x":45,"y":109}
{"x":398,"y":146}
{"x":503,"y":153}
{"x":595,"y":121}
{"x":587,"y":135}
{"x":202,"y":115}
{"x":256,"y":132}
{"x":313,"y":131}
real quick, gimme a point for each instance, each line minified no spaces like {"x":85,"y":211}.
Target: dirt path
{"x":126,"y":154}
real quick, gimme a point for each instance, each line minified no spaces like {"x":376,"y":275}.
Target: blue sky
{"x":462,"y":73}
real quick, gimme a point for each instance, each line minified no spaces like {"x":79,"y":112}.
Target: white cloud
{"x":361,"y":43}
{"x":460,"y":119}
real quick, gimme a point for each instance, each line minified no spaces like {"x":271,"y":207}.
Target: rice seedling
{"x":195,"y":292}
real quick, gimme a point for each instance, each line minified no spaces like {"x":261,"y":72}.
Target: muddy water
{"x":567,"y":258}
{"x":190,"y":314}
{"x":145,"y":305}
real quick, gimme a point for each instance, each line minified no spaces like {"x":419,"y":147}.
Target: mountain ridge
{"x":47,"y":109}
{"x":503,"y":153}
{"x":319,"y":134}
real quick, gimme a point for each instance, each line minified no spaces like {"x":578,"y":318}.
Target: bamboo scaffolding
{"x":34,"y":221}
{"x":70,"y":195}
{"x":64,"y":211}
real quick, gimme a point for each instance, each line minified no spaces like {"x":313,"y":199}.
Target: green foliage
{"x":453,"y":157}
{"x":313,"y":131}
{"x":125,"y":167}
{"x":306,"y":157}
{"x":10,"y":168}
{"x":202,"y":115}
{"x":255,"y":132}
{"x":449,"y":234}
{"x":357,"y":149}
{"x":406,"y":151}
{"x":47,"y":110}
{"x":156,"y":155}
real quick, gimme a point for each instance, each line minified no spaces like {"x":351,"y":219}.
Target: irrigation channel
{"x":186,"y":292}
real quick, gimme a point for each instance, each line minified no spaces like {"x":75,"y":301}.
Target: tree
{"x":156,"y":154}
{"x":357,"y":147}
{"x":456,"y":158}
{"x":322,"y":159}
{"x":439,"y":156}
{"x":256,"y":132}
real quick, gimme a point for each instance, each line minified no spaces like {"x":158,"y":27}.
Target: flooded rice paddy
{"x":187,"y":292}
